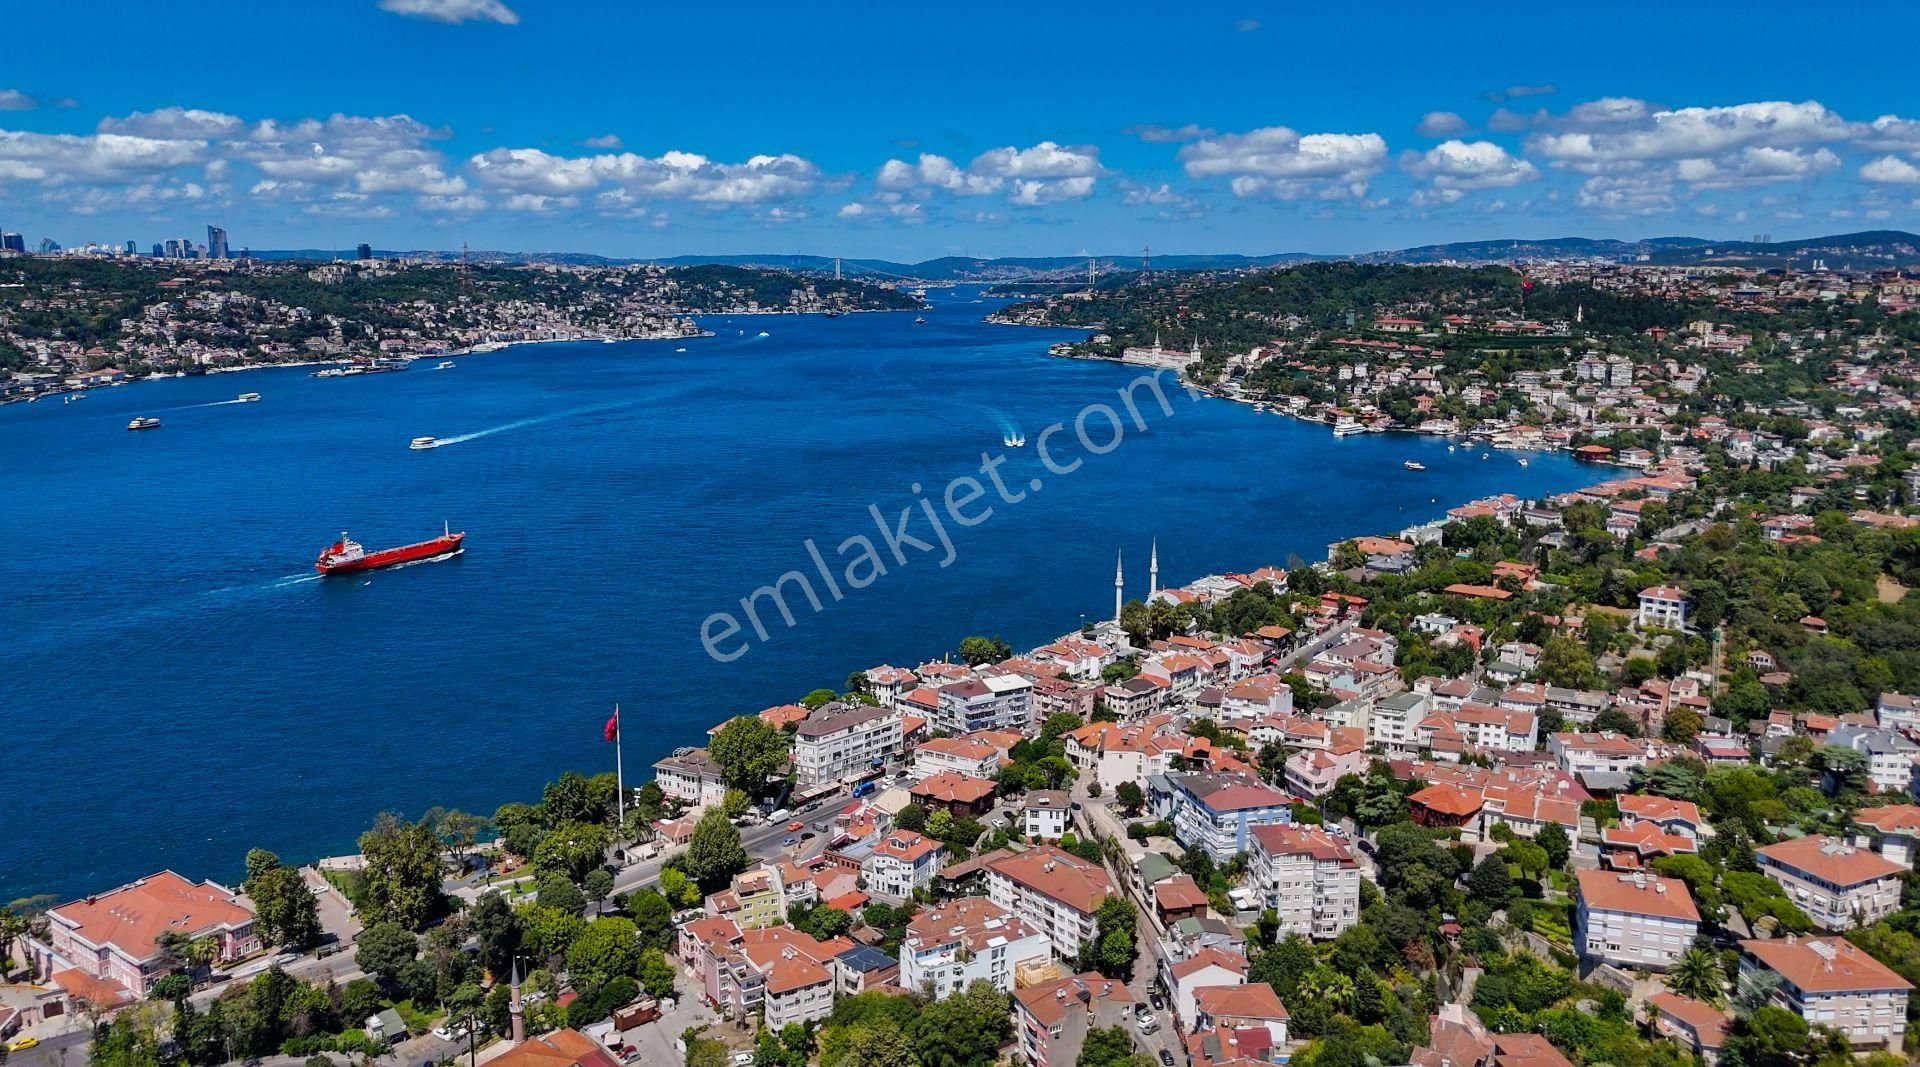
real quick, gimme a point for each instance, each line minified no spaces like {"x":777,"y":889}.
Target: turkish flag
{"x":612,"y":729}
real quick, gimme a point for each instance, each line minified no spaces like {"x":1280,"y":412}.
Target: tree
{"x":284,"y":909}
{"x":402,"y":873}
{"x":1107,"y":1046}
{"x":553,"y":889}
{"x":259,"y":862}
{"x":608,"y":948}
{"x":384,"y":949}
{"x":1112,"y":951}
{"x":678,"y":888}
{"x":1565,"y":662}
{"x":977,"y":650}
{"x":714,"y":853}
{"x":748,"y":752}
{"x":656,"y":974}
{"x":1490,"y":882}
{"x":1681,"y":725}
{"x":1130,"y":797}
{"x":132,"y":1038}
{"x":735,"y":803}
{"x":1770,"y":1037}
{"x":1553,"y":838}
{"x":573,"y":849}
{"x":964,"y":1030}
{"x":1697,"y":974}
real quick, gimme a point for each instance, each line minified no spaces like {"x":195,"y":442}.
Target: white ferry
{"x":424,"y":442}
{"x":145,"y":422}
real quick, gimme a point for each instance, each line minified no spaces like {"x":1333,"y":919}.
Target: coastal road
{"x":761,"y":842}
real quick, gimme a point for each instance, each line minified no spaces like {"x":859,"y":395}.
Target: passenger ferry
{"x":144,"y":422}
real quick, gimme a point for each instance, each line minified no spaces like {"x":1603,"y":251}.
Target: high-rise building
{"x":363,"y":251}
{"x":216,"y":242}
{"x":173,"y":248}
{"x":159,"y":250}
{"x":48,"y":246}
{"x":13,"y":242}
{"x":132,"y":249}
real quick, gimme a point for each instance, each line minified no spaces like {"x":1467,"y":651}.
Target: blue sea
{"x":177,"y":686}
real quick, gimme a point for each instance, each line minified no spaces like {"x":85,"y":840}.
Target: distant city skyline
{"x":907,"y":134}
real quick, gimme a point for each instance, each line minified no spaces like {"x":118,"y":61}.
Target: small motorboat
{"x":445,"y":364}
{"x":144,"y":422}
{"x":424,"y":442}
{"x":247,"y":398}
{"x":1414,"y":466}
{"x":919,"y":320}
{"x":1523,"y":461}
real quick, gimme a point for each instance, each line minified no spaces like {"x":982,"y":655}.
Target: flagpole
{"x":619,"y":776}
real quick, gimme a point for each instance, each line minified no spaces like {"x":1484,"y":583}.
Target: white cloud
{"x":1631,"y":195}
{"x":175,"y":122}
{"x":1619,"y":130}
{"x":106,"y":157}
{"x":1045,"y":173}
{"x":1440,"y":124}
{"x":1756,"y":165}
{"x":453,"y":12}
{"x":671,"y":176}
{"x":853,"y":210}
{"x":1462,"y":165}
{"x":605,"y":140}
{"x":1890,"y":170}
{"x":1514,"y":91}
{"x":15,"y":100}
{"x":1280,"y":163}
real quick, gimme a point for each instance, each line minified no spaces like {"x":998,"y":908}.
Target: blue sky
{"x":917,"y":130}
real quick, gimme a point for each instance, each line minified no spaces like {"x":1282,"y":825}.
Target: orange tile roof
{"x":1831,"y":859}
{"x":952,"y":787}
{"x":1892,"y":819}
{"x":1059,"y":875}
{"x":100,"y":992}
{"x":132,"y":917}
{"x":1637,"y":894}
{"x":560,"y":1048}
{"x":1256,"y":1000}
{"x":1824,"y":965}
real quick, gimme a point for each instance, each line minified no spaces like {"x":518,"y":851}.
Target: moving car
{"x":1166,"y":1058}
{"x":22,"y":1044}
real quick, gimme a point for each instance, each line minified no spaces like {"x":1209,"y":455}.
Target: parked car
{"x":1166,"y":1058}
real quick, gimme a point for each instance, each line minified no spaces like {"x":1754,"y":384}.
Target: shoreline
{"x":694,"y":737}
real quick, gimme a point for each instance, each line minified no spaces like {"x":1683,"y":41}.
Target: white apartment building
{"x":690,"y":774}
{"x":970,"y":939}
{"x":902,"y":862}
{"x":1638,"y":921}
{"x":1662,"y":607}
{"x":1000,"y":702}
{"x":1578,"y":753}
{"x":1837,"y":885}
{"x":840,"y":740}
{"x":1309,"y":877}
{"x":961,"y":755}
{"x":1052,"y":891}
{"x":1395,"y":719}
{"x":1829,"y":982}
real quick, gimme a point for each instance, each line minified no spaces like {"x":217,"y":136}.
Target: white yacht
{"x":247,"y":398}
{"x":424,"y":442}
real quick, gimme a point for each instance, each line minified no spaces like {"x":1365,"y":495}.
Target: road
{"x":761,"y":842}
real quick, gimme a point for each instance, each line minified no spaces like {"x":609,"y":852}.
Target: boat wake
{"x":521,"y":424}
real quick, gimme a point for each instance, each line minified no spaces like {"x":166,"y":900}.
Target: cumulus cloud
{"x":104,"y":157}
{"x":1043,"y":174}
{"x":671,"y":176}
{"x":1440,"y":124}
{"x":1891,"y":170}
{"x":1281,"y":163}
{"x":15,"y":100}
{"x":1167,"y":201}
{"x":453,"y":12}
{"x":1624,"y":131}
{"x":175,"y":122}
{"x":1462,"y":165}
{"x":1633,"y":195}
{"x":605,"y":140}
{"x":1756,"y":165}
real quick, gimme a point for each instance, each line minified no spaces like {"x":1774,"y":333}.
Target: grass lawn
{"x":416,"y":1019}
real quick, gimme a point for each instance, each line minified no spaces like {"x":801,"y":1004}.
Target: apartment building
{"x":840,"y":740}
{"x":1604,"y":752}
{"x":1896,"y":829}
{"x":1662,"y":607}
{"x":1308,"y":877}
{"x":690,"y":774}
{"x":1638,"y":921}
{"x":1051,"y":1020}
{"x":970,"y":939}
{"x":902,"y":862}
{"x":1838,"y":885}
{"x":777,"y":972}
{"x":1217,"y":812}
{"x":1052,"y":891}
{"x":1046,"y":814}
{"x":961,"y":755}
{"x":999,"y":702}
{"x":1829,"y":982}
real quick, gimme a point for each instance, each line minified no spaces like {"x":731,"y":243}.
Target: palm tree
{"x":1697,"y":974}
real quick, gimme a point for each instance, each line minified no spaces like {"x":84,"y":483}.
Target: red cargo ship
{"x":345,"y":556}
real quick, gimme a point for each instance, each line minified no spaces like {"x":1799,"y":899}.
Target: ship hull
{"x":391,"y":557}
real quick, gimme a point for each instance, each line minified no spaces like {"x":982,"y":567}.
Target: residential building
{"x":1837,"y":885}
{"x":1000,"y":702}
{"x":902,"y":862}
{"x":1308,"y":877}
{"x":967,"y":940}
{"x":1697,"y":1025}
{"x":1662,"y":607}
{"x":1896,"y":828}
{"x":961,"y":755}
{"x":1208,"y":968}
{"x":840,"y":740}
{"x":1051,"y":1020}
{"x":1217,"y":812}
{"x":1052,"y":891}
{"x":556,"y":1048}
{"x":1253,"y":1006}
{"x":113,"y":937}
{"x":1890,"y":756}
{"x":1638,"y":921}
{"x":690,"y":774}
{"x":1829,"y":982}
{"x":1046,"y":814}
